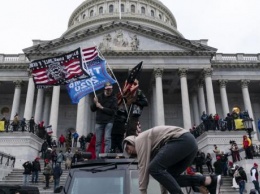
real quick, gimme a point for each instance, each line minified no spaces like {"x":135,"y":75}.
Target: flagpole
{"x":90,"y":76}
{"x":115,"y":79}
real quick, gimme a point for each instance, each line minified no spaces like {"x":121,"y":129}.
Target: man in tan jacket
{"x":165,"y":152}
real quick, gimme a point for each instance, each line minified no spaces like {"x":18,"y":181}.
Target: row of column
{"x":197,"y":98}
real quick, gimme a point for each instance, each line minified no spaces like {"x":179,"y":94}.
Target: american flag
{"x":58,"y":70}
{"x":88,"y":54}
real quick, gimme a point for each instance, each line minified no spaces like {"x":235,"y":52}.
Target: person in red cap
{"x":254,"y":176}
{"x":247,"y":143}
{"x":36,"y":168}
{"x":105,"y":106}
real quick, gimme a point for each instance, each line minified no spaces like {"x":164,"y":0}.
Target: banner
{"x":99,"y":76}
{"x":239,"y":124}
{"x":2,"y":126}
{"x":58,"y":70}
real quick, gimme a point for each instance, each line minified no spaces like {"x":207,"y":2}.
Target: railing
{"x":7,"y":160}
{"x":10,"y":58}
{"x":236,"y":57}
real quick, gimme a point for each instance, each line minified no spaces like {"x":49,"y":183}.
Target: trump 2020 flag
{"x":96,"y":68}
{"x":58,"y":70}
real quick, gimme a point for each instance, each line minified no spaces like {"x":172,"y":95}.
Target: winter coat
{"x":57,"y":172}
{"x":240,"y":175}
{"x":27,"y":168}
{"x":106,"y":115}
{"x":60,"y":157}
{"x":36,"y":166}
{"x":47,"y":169}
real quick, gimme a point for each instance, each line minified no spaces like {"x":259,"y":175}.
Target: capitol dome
{"x":152,"y":14}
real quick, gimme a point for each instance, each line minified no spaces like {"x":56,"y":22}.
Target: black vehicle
{"x":106,"y":176}
{"x":12,"y":189}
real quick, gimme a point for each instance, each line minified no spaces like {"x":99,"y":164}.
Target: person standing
{"x":254,"y":176}
{"x":165,"y":152}
{"x":75,"y":139}
{"x":62,"y":141}
{"x":218,"y":166}
{"x":68,"y":159}
{"x":23,"y":124}
{"x":241,"y":178}
{"x":57,"y":172}
{"x":47,"y":173}
{"x":247,"y":147}
{"x":31,"y":125}
{"x":26,"y":173}
{"x":54,"y":157}
{"x":44,"y":148}
{"x":36,"y":168}
{"x":209,"y":163}
{"x":105,"y":106}
{"x":216,"y":150}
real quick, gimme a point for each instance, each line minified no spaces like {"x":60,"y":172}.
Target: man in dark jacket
{"x":105,"y":106}
{"x":32,"y":125}
{"x":27,"y":171}
{"x":241,"y":178}
{"x":36,"y":168}
{"x":57,"y":172}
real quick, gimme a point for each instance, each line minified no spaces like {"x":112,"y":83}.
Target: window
{"x":143,"y":10}
{"x":122,"y":8}
{"x":100,"y":10}
{"x":132,"y":8}
{"x":152,"y":13}
{"x":91,"y":13}
{"x":111,"y":8}
{"x":160,"y":16}
{"x":83,"y":16}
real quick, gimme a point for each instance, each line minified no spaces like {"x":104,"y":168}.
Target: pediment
{"x":120,"y":37}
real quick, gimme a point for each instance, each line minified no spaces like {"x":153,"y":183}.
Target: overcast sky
{"x":231,"y":26}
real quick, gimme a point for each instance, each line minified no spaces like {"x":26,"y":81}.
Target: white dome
{"x":151,"y":13}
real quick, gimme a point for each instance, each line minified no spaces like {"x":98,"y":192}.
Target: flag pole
{"x":90,"y":76}
{"x":114,"y":78}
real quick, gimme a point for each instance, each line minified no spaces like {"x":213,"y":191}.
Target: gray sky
{"x":231,"y":26}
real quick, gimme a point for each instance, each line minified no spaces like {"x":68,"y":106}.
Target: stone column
{"x":247,"y":101}
{"x":154,"y":115}
{"x":55,"y":110}
{"x":159,"y":96}
{"x":29,"y":99}
{"x":196,"y":114}
{"x":39,"y":106}
{"x":202,"y":103}
{"x":223,"y":95}
{"x":16,"y":99}
{"x":209,"y":91}
{"x":185,"y":99}
{"x":46,"y":109}
{"x":81,"y":125}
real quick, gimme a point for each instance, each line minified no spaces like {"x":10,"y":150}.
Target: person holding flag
{"x":105,"y":106}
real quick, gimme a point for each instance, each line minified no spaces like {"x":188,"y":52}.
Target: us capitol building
{"x":181,"y":78}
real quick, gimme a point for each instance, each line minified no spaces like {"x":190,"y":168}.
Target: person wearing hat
{"x":254,"y":176}
{"x":240,"y":177}
{"x":36,"y":168}
{"x":247,"y":143}
{"x":165,"y":152}
{"x":47,"y":173}
{"x":105,"y":106}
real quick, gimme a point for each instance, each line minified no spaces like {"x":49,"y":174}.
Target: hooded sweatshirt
{"x":145,"y":143}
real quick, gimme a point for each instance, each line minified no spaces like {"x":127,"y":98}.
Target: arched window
{"x":166,"y":20}
{"x":152,"y":13}
{"x":100,"y":11}
{"x":160,"y":16}
{"x":83,"y":16}
{"x":132,"y":8}
{"x":91,"y":13}
{"x":122,"y":8}
{"x":111,"y":8}
{"x":143,"y":10}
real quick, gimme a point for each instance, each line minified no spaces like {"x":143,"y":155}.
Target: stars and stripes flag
{"x":59,"y":70}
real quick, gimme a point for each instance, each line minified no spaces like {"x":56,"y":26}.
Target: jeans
{"x":256,"y":184}
{"x":26,"y":179}
{"x":172,"y":160}
{"x":102,"y":129}
{"x":47,"y":180}
{"x":35,"y":175}
{"x":56,"y":183}
{"x":241,"y":185}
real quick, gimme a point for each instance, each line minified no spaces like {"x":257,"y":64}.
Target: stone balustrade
{"x":6,"y":164}
{"x":13,"y":58}
{"x":241,"y":57}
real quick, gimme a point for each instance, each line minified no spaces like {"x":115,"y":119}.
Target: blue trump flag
{"x":99,"y":76}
